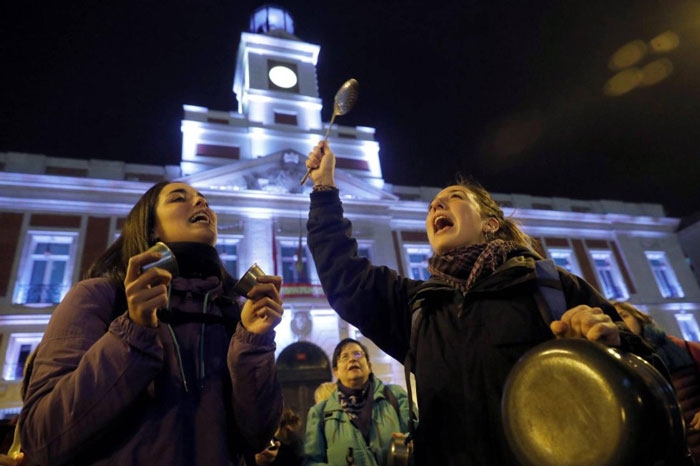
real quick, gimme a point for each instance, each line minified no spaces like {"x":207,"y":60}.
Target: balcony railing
{"x":40,"y":294}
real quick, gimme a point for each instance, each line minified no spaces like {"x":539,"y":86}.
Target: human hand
{"x":695,"y":423}
{"x":587,"y":322}
{"x":321,"y":163}
{"x":263,"y":309}
{"x":146,"y":291}
{"x":268,"y":455}
{"x":401,"y":437}
{"x":17,"y":460}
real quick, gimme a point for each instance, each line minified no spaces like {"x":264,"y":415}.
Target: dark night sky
{"x":508,"y":92}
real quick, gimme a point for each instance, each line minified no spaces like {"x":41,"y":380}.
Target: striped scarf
{"x":462,"y":267}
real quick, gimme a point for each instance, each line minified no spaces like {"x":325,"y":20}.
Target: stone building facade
{"x":59,"y":214}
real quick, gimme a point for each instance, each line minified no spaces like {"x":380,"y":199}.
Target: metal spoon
{"x":343,"y":102}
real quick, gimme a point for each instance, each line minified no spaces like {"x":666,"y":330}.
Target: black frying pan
{"x":573,"y":402}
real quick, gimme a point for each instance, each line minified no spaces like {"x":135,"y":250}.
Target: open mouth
{"x":200,"y":217}
{"x":440,"y":223}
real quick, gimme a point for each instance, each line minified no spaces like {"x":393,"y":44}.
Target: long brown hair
{"x":643,"y":318}
{"x":136,"y":236}
{"x":508,"y":229}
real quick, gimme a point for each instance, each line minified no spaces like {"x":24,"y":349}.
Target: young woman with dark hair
{"x":116,"y":381}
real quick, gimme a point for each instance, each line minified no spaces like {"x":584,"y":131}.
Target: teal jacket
{"x":327,"y":443}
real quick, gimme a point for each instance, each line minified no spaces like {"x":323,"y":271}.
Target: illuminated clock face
{"x":283,"y":76}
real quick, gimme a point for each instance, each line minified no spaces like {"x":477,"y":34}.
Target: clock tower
{"x":275,"y":80}
{"x":264,"y":144}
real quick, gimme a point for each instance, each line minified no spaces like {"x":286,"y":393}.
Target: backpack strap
{"x":391,"y":398}
{"x":550,"y":294}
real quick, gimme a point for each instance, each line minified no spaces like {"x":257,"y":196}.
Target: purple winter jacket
{"x":108,"y":391}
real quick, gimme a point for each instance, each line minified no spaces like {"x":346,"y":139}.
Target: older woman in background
{"x":357,"y":422}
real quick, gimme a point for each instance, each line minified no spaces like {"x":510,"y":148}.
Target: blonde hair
{"x":324,"y":391}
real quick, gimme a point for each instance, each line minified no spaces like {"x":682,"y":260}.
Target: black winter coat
{"x":465,"y":346}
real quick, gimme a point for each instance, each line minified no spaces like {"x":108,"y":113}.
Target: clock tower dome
{"x":275,"y":80}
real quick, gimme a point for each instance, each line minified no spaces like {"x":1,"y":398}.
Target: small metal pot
{"x":401,"y":454}
{"x":248,"y":280}
{"x":167,"y":260}
{"x":574,"y":402}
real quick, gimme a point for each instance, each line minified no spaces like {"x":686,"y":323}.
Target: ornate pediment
{"x":278,"y":173}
